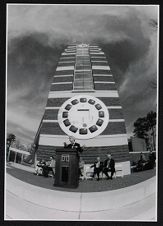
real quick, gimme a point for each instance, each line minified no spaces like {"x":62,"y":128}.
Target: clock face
{"x":83,"y":117}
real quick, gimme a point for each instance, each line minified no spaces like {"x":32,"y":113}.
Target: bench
{"x":88,"y":172}
{"x":118,"y":170}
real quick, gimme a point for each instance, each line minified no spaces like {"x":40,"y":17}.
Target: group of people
{"x":107,"y":166}
{"x":44,"y":168}
{"x":104,"y":167}
{"x":145,"y":164}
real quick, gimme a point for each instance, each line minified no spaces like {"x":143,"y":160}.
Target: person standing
{"x":109,"y":166}
{"x":74,"y":145}
{"x":52,"y":165}
{"x":77,"y":149}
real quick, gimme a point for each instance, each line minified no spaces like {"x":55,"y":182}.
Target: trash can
{"x":67,"y":168}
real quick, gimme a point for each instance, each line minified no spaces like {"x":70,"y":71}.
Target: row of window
{"x":83,"y":131}
{"x":83,"y":76}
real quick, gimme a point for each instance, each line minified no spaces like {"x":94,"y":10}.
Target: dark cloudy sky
{"x":37,"y":34}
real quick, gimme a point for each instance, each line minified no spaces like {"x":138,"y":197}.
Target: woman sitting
{"x":39,"y":167}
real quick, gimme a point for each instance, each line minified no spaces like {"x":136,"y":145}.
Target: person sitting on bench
{"x":151,"y":161}
{"x":141,"y":163}
{"x":38,"y":169}
{"x":98,"y":165}
{"x":109,"y":166}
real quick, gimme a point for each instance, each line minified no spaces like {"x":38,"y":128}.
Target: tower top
{"x":82,"y":45}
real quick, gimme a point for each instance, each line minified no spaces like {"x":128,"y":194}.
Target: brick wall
{"x":112,"y":128}
{"x":105,"y":86}
{"x":64,"y":72}
{"x":63,"y":79}
{"x":119,"y":153}
{"x":61,"y":87}
{"x":103,"y":78}
{"x":110,"y":101}
{"x":100,"y":71}
{"x":55,"y":102}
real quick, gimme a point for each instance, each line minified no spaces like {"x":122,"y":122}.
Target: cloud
{"x":77,"y":21}
{"x":20,"y":112}
{"x":21,"y":134}
{"x":139,"y":85}
{"x":37,"y":34}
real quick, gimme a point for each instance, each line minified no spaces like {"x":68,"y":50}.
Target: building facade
{"x":84,"y":102}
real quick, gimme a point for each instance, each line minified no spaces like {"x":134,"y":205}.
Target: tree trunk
{"x":153,"y":138}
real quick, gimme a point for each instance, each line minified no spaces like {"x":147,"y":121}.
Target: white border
{"x":158,"y":32}
{"x":157,"y":111}
{"x":6,"y":112}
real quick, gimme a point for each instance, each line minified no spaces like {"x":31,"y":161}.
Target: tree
{"x":10,"y":139}
{"x":140,"y":129}
{"x":151,"y":122}
{"x":145,"y":127}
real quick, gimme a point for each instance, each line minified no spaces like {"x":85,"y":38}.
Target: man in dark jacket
{"x":98,"y":165}
{"x":109,"y":166}
{"x":151,"y":161}
{"x":74,"y":145}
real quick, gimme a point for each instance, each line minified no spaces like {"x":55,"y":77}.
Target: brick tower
{"x":84,"y":102}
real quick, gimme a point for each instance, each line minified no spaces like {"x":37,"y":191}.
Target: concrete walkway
{"x":25,"y":201}
{"x":20,"y":166}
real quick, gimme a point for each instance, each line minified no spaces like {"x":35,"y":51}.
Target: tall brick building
{"x":84,"y":102}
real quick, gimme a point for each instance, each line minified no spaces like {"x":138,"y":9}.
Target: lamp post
{"x":34,"y":153}
{"x":8,"y":151}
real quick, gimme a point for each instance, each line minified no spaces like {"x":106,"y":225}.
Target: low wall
{"x":80,"y":202}
{"x":119,"y":153}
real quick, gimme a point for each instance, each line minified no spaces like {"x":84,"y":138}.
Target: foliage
{"x":145,"y":127}
{"x":10,"y":139}
{"x":151,"y":120}
{"x":141,"y":128}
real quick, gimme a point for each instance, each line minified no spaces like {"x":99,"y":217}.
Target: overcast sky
{"x":37,"y":34}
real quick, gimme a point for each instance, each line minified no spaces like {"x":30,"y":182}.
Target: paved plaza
{"x":35,"y":201}
{"x":26,"y":174}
